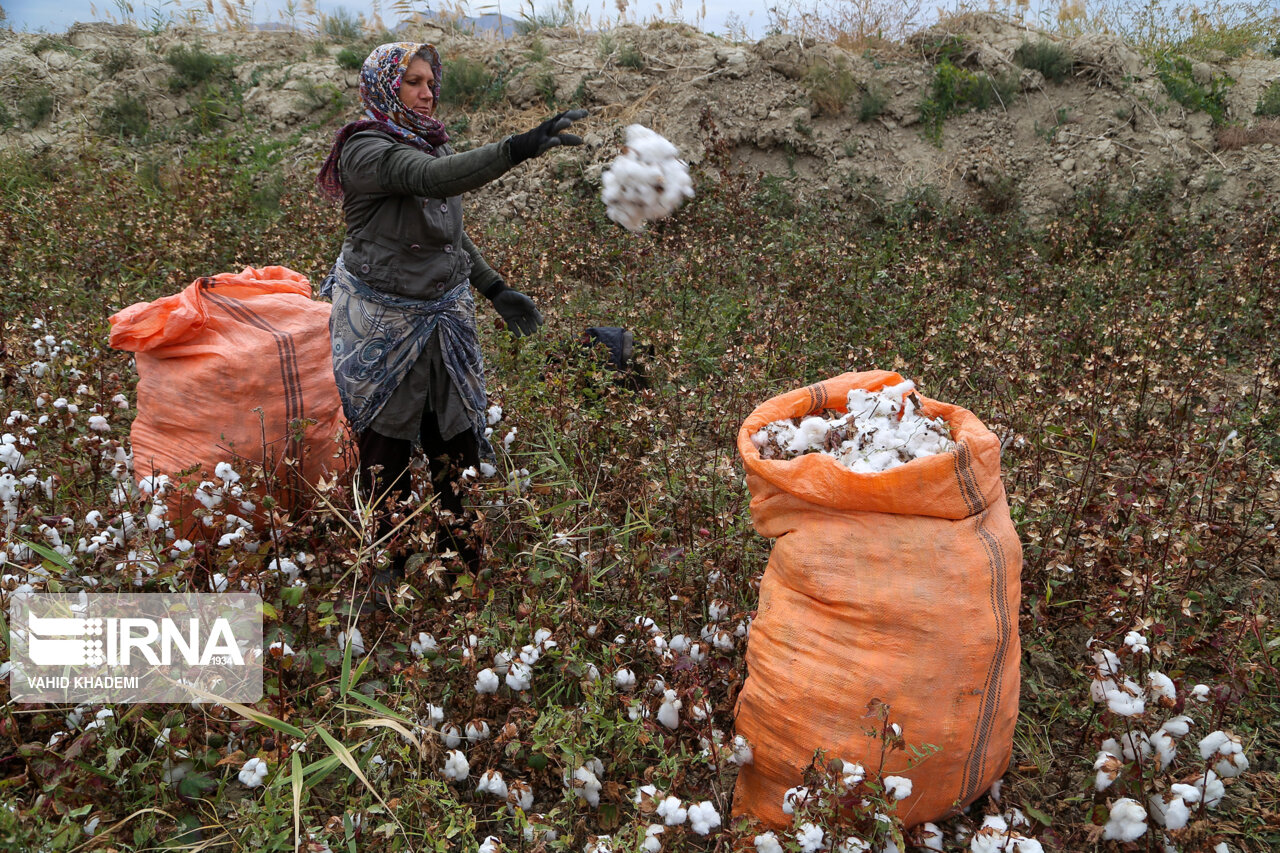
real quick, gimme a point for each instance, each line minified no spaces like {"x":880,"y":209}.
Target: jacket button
{"x":415,"y":247}
{"x":444,"y":208}
{"x":364,"y":268}
{"x":448,"y":248}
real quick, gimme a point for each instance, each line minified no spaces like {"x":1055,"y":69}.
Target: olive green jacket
{"x":404,"y":214}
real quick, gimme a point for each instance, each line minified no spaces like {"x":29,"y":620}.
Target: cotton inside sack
{"x":901,"y":586}
{"x":231,"y":370}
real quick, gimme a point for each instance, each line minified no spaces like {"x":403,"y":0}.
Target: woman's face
{"x":415,"y":87}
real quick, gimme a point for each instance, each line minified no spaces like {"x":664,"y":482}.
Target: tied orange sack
{"x":901,"y":586}
{"x":211,"y":356}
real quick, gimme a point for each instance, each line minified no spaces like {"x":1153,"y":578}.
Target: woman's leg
{"x":447,"y":459}
{"x":384,"y":477}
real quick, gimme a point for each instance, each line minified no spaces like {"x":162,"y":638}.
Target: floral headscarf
{"x":380,"y":78}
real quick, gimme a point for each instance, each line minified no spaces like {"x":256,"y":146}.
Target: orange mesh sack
{"x":901,"y":586}
{"x":211,"y":356}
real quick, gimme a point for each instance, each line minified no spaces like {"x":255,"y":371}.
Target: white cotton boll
{"x":491,"y":782}
{"x":477,"y":730}
{"x":487,"y":470}
{"x":1200,"y":693}
{"x":587,"y":786}
{"x":224,"y":472}
{"x":1212,"y":742}
{"x":456,"y":766}
{"x":625,"y":680}
{"x":698,"y":653}
{"x":793,"y":799}
{"x":1232,"y":761}
{"x":1160,"y":686}
{"x":644,"y":791}
{"x":520,"y":677}
{"x":767,"y":842}
{"x":1108,"y":765}
{"x":487,"y":681}
{"x":1128,"y":821}
{"x":519,"y":795}
{"x":646,"y":182}
{"x":1166,"y":748}
{"x":742,"y":752}
{"x":717,"y":610}
{"x":491,"y":844}
{"x":1108,"y":663}
{"x":434,"y":714}
{"x":494,"y":415}
{"x":652,"y":843}
{"x":253,"y":773}
{"x":811,"y":435}
{"x":810,"y":837}
{"x":931,"y":837}
{"x":1135,"y":746}
{"x":120,"y":401}
{"x":1137,"y":643}
{"x":1209,"y":788}
{"x":509,"y":439}
{"x":502,"y":662}
{"x":529,"y":654}
{"x":703,"y":817}
{"x":422,"y":645}
{"x":356,"y":639}
{"x":669,"y":712}
{"x":285,"y":650}
{"x":897,"y":787}
{"x":1172,"y":815}
{"x":672,"y":811}
{"x":1177,"y":726}
{"x":723,"y":641}
{"x":450,"y":735}
{"x":1126,"y":700}
{"x":98,"y":423}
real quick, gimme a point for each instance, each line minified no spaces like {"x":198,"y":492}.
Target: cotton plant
{"x":879,"y":431}
{"x":1152,"y":784}
{"x":846,"y":805}
{"x":647,"y":181}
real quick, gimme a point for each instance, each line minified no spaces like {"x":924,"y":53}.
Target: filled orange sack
{"x":901,"y":586}
{"x":211,"y":356}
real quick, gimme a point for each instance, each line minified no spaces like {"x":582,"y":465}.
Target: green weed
{"x":352,"y":59}
{"x":470,"y":84}
{"x":629,"y":56}
{"x":125,"y":117}
{"x":1049,"y":58}
{"x":1269,"y":101}
{"x":1175,"y":72}
{"x":342,"y":25}
{"x":830,"y":89}
{"x":193,"y":66}
{"x":34,"y":107}
{"x":956,"y":90}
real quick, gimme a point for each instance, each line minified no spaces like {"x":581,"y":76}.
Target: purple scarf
{"x":380,"y":93}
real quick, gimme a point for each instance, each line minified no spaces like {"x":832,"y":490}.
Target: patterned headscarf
{"x":380,"y":78}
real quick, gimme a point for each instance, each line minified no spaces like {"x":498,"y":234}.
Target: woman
{"x":405,"y":351}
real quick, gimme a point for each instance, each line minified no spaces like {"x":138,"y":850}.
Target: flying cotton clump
{"x":880,"y":430}
{"x":646,"y":181}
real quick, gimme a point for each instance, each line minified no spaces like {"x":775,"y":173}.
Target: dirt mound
{"x":870,"y":128}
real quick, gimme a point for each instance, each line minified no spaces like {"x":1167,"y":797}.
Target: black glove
{"x":521,"y":315}
{"x":525,"y":146}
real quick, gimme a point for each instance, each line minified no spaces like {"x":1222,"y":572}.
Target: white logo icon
{"x":50,"y":642}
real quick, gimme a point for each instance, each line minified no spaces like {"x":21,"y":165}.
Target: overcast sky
{"x":57,"y":16}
